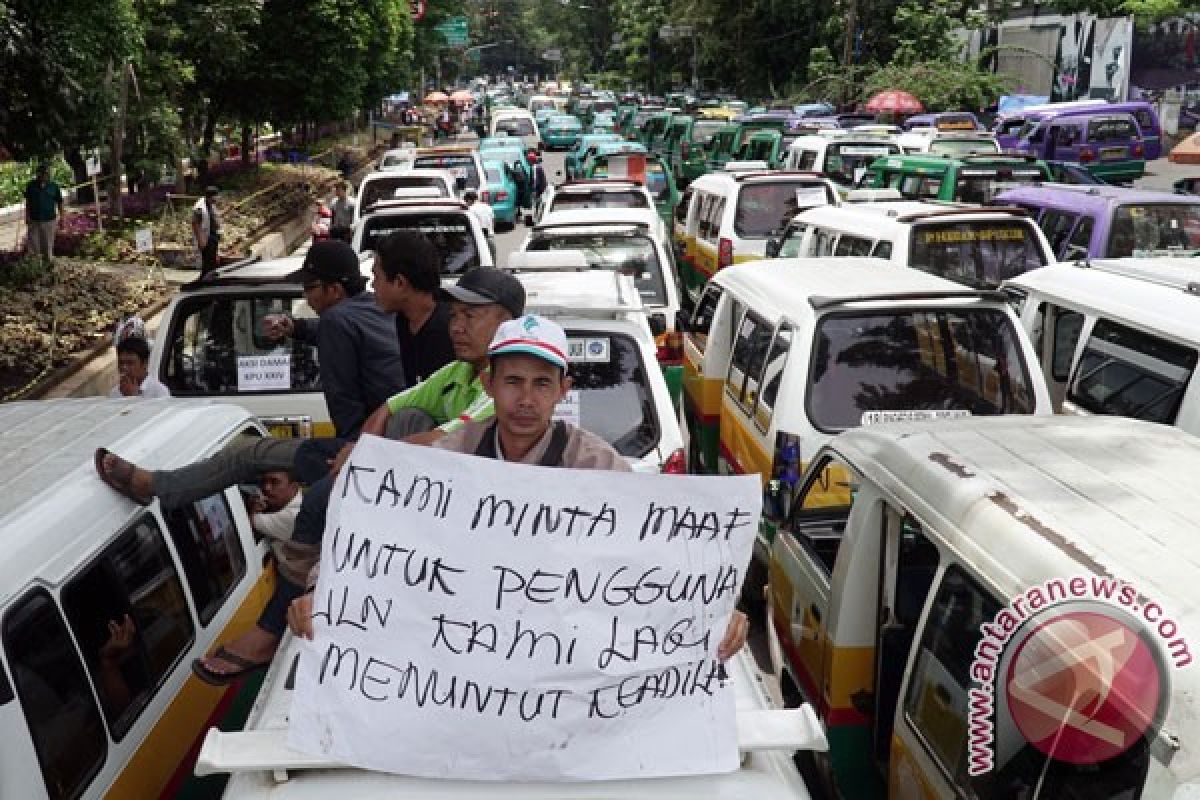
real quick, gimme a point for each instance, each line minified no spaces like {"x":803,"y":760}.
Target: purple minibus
{"x":1084,"y":222}
{"x":1008,"y":127}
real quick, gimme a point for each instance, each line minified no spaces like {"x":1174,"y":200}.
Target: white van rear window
{"x":610,"y":382}
{"x":939,"y":359}
{"x":450,"y":233}
{"x":980,"y":253}
{"x":762,"y":207}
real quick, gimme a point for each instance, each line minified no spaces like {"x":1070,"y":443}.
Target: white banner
{"x":482,"y":620}
{"x":264,"y":373}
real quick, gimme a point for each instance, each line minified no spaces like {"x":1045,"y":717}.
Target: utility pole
{"x":118,"y":142}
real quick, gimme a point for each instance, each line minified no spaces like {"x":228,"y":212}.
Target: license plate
{"x":1112,"y":153}
{"x":912,"y":415}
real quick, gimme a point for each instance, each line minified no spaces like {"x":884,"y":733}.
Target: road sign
{"x":554,"y":54}
{"x":143,"y":239}
{"x":454,"y":31}
{"x":93,"y":165}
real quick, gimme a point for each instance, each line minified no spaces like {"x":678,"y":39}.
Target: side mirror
{"x":683,"y":321}
{"x":460,"y":183}
{"x":773,"y":248}
{"x":658,"y":324}
{"x":779,"y":493}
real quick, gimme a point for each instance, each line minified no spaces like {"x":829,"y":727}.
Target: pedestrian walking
{"x":43,"y":210}
{"x":342,"y":224}
{"x":206,"y":228}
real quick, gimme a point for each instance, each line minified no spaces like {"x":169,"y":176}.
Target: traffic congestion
{"x":924,"y":384}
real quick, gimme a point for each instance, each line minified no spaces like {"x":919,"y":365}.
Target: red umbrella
{"x":896,"y":102}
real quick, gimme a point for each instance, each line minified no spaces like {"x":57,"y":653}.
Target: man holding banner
{"x":489,"y":621}
{"x":526,"y":380}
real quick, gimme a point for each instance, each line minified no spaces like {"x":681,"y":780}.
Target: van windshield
{"x":980,"y":253}
{"x":762,"y":207}
{"x":979,"y":185}
{"x":847,"y":162}
{"x":516,"y":126}
{"x":450,"y":233}
{"x":966,"y":360}
{"x":703,"y":132}
{"x":964,"y":146}
{"x":460,"y":166}
{"x":631,"y":253}
{"x":1145,"y":228}
{"x":610,"y":383}
{"x":599,"y":198}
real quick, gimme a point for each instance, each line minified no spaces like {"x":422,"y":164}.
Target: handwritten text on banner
{"x":482,"y":620}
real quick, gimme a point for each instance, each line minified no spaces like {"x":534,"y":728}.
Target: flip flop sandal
{"x":245,"y":667}
{"x":119,"y":477}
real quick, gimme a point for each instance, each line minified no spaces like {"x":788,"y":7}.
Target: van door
{"x":1054,"y":331}
{"x":742,"y":450}
{"x":802,"y":559}
{"x":705,"y":346}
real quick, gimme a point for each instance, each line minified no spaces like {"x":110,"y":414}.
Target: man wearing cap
{"x":526,"y":378}
{"x":206,"y":228}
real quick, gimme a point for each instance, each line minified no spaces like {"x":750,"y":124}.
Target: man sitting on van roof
{"x":526,"y":378}
{"x":484,"y":298}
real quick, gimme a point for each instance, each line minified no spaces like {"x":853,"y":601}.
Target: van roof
{"x":599,"y":216}
{"x":1024,"y":500}
{"x":1089,"y":198}
{"x":897,"y":212}
{"x":782,"y":287}
{"x":54,"y":509}
{"x":249,"y":272}
{"x":1149,"y":293}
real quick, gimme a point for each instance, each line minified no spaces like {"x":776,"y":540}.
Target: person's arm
{"x":481,"y":409}
{"x":306,"y":329}
{"x":340,"y":379}
{"x":276,"y":524}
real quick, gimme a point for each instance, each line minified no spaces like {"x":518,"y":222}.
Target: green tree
{"x":53,"y":58}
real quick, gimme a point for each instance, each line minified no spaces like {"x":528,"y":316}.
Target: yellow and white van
{"x":782,"y":355}
{"x":87,"y":710}
{"x":1117,"y":337}
{"x":212,"y":343}
{"x":975,"y":246}
{"x":996,"y":608}
{"x":726,"y":217}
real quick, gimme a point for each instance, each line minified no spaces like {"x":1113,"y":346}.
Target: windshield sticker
{"x":809,"y":196}
{"x":848,"y":150}
{"x":264,"y":373}
{"x":567,"y":409}
{"x":958,"y":235}
{"x":591,"y":350}
{"x":912,"y":415}
{"x":955,"y":125}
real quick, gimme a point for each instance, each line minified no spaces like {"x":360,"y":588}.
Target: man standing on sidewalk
{"x":43,"y":208}
{"x":206,"y":227}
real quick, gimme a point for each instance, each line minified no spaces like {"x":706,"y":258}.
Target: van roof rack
{"x":225,"y":276}
{"x":267,"y":750}
{"x":820,"y":303}
{"x":1015,"y":211}
{"x":778,"y":173}
{"x":1157,"y":278}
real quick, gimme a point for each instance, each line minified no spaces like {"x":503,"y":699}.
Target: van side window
{"x":909,"y":186}
{"x":936,"y":701}
{"x":1131,"y":373}
{"x":823,"y":242}
{"x":818,"y":518}
{"x":1081,"y":239}
{"x":716,"y":212}
{"x":1057,"y":227}
{"x":1145,"y":121}
{"x":790,"y":246}
{"x":130,"y":617}
{"x":206,"y":539}
{"x":702,"y":317}
{"x":681,"y":210}
{"x":213,"y":332}
{"x":1067,"y":326}
{"x":64,"y":722}
{"x":930,"y":187}
{"x":749,"y":353}
{"x":852,"y":246}
{"x":808,"y":160}
{"x":772,"y":376}
{"x":883,"y":249}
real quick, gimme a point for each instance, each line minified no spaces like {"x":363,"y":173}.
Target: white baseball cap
{"x":533,"y":336}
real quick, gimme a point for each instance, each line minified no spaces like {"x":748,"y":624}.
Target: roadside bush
{"x":15,"y":174}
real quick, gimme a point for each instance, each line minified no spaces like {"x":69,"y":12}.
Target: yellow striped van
{"x":104,"y":604}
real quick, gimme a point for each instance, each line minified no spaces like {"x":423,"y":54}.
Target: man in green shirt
{"x":43,"y":209}
{"x":484,"y":298}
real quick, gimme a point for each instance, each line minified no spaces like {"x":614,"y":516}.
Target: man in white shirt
{"x":483,"y":213}
{"x":273,"y":515}
{"x":133,"y":378}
